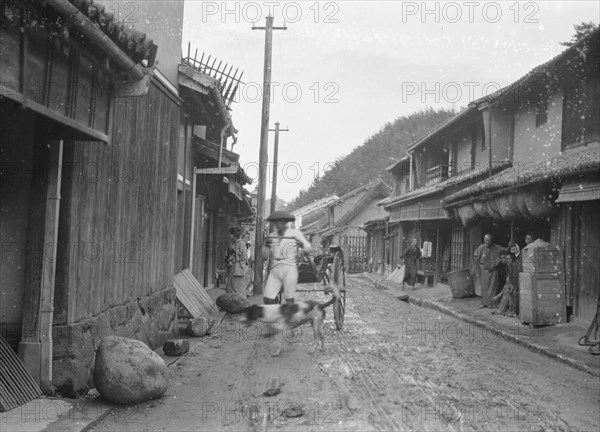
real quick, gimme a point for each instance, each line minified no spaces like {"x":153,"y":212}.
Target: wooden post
{"x":438,"y":264}
{"x":192,"y":222}
{"x":275,"y":163}
{"x":263,"y":157}
{"x":35,"y":348}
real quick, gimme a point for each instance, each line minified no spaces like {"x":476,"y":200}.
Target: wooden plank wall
{"x":119,"y":216}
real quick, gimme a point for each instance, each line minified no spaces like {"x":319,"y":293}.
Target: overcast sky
{"x":343,"y":69}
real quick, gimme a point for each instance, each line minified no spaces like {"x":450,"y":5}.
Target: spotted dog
{"x":292,"y":315}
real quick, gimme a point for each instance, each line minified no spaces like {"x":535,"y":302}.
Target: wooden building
{"x":209,"y":173}
{"x":553,"y":186}
{"x":452,"y":156}
{"x":524,"y":159}
{"x":97,"y":161}
{"x":341,"y":222}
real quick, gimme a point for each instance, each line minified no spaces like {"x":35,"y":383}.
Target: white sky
{"x":361,"y":64}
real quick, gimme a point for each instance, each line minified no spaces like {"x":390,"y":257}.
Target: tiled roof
{"x":567,"y":164}
{"x":464,"y":114}
{"x":579,"y":51}
{"x":377,"y":220}
{"x":132,"y":42}
{"x":373,"y":184}
{"x":315,"y":205}
{"x":398,"y":162}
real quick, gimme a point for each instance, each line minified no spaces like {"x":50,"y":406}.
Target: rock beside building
{"x":150,"y":319}
{"x":176,"y":347}
{"x":232,"y":303}
{"x":199,"y":327}
{"x":127,"y":371}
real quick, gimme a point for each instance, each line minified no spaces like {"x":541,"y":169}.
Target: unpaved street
{"x":394,"y":366}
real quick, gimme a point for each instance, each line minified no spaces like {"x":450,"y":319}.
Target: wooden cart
{"x":327,"y":268}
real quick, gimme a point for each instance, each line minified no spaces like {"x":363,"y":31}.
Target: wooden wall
{"x":118,"y":210}
{"x":576,"y":231}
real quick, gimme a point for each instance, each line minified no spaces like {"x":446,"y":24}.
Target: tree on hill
{"x":367,"y":162}
{"x":581,"y":31}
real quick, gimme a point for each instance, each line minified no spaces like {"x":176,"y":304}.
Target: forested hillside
{"x":369,"y":160}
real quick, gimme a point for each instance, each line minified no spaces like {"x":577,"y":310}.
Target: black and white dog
{"x":292,"y":315}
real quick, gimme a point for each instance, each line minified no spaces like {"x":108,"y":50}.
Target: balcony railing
{"x":436,"y":174}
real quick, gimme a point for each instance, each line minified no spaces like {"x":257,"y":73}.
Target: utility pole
{"x":275,"y":153}
{"x":263,"y":157}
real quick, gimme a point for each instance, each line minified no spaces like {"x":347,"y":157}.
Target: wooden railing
{"x":436,"y":174}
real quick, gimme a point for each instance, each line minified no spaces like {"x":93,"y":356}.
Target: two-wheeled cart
{"x":328,"y":268}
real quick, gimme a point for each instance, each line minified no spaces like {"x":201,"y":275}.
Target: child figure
{"x":510,"y":292}
{"x":513,"y":269}
{"x":510,"y":289}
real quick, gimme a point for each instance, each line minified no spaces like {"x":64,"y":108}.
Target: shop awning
{"x":529,"y":201}
{"x":579,"y":190}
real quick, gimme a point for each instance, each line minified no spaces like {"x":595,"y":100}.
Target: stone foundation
{"x":151,"y":319}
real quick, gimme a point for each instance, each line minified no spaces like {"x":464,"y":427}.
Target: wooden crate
{"x":542,"y":298}
{"x":542,"y":260}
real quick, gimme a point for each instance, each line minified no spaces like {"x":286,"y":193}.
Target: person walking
{"x":282,"y":249}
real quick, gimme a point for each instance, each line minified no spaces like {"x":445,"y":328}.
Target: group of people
{"x":281,"y":249}
{"x":498,"y":272}
{"x":499,"y":275}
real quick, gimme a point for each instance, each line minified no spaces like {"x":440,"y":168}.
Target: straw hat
{"x":281,"y":215}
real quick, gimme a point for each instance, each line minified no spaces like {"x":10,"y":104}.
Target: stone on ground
{"x":127,"y":371}
{"x":176,"y":347}
{"x":232,"y":302}
{"x":199,"y":327}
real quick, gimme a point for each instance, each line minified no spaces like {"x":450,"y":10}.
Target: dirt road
{"x":394,"y":366}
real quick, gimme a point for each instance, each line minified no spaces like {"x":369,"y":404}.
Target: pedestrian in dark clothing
{"x":487,"y":257}
{"x":511,"y":287}
{"x":502,"y":268}
{"x":411,"y":255}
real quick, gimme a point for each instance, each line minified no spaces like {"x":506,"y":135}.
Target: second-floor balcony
{"x":436,"y":174}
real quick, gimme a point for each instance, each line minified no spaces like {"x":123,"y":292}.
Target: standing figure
{"x":487,"y":257}
{"x":250,"y":269}
{"x":411,"y":255}
{"x":514,"y":267}
{"x":236,"y":263}
{"x":282,"y":251}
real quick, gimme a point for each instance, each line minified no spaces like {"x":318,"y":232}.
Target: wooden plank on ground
{"x":193,"y":296}
{"x":17,"y":387}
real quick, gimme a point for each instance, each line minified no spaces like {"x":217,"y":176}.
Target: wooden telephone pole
{"x":263,"y":157}
{"x":275,"y":153}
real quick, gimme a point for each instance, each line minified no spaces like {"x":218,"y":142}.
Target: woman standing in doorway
{"x":411,"y":255}
{"x":237,"y":263}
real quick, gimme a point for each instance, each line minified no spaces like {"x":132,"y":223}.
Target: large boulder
{"x":232,"y":303}
{"x":127,"y":371}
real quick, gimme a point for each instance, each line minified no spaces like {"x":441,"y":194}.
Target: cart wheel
{"x":339,"y":278}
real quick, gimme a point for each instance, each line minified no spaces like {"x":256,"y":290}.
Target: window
{"x":481,"y":132}
{"x":541,"y":113}
{"x":581,"y":113}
